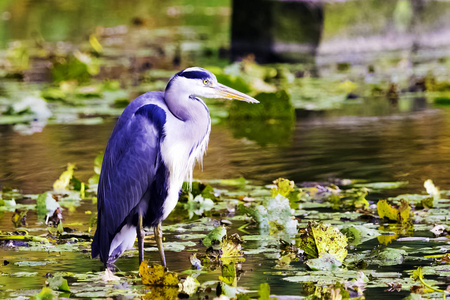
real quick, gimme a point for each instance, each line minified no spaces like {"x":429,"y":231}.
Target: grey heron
{"x":153,"y":148}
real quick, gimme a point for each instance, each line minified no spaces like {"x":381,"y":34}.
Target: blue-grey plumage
{"x":153,"y":148}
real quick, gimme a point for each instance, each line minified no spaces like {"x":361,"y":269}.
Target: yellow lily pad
{"x":283,"y":187}
{"x":62,"y":183}
{"x":400,"y":214}
{"x":157,"y":275}
{"x":231,"y":251}
{"x":321,"y":238}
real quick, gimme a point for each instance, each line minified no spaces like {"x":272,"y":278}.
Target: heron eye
{"x":206,"y":82}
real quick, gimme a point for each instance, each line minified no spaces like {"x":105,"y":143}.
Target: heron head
{"x":198,"y":82}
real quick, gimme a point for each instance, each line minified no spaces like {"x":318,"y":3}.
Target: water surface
{"x":355,"y":142}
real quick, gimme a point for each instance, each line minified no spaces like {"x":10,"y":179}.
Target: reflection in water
{"x":33,"y":162}
{"x":410,"y":146}
{"x":398,"y":146}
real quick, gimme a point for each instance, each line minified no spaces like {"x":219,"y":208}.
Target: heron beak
{"x":222,"y":91}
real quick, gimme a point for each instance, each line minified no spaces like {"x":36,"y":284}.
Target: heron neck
{"x":185,"y":107}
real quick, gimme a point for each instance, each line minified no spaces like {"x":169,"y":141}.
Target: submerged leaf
{"x":386,"y":239}
{"x":19,"y":218}
{"x":97,"y":169}
{"x":197,"y":263}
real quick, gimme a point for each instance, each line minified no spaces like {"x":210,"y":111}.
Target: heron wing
{"x":132,"y":173}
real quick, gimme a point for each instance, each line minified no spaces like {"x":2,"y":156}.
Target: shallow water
{"x":370,"y":139}
{"x":403,"y":142}
{"x":355,"y":142}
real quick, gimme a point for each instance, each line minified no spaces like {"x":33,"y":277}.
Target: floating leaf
{"x":231,"y":250}
{"x":347,"y":86}
{"x":45,"y":294}
{"x":391,"y":256}
{"x":19,"y":218}
{"x":95,"y":43}
{"x":282,"y":187}
{"x":264,"y":291}
{"x":198,"y":205}
{"x":58,"y":283}
{"x":320,"y":239}
{"x":433,"y":191}
{"x":215,"y":235}
{"x":229,"y":274}
{"x":190,"y":285}
{"x":383,"y":185}
{"x":400,"y":214}
{"x":61,"y":184}
{"x":274,"y":213}
{"x":418,"y":275}
{"x":326,"y":262}
{"x":157,"y":275}
{"x":243,"y":297}
{"x":357,"y":234}
{"x":438,"y":230}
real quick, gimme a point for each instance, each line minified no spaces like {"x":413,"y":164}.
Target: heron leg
{"x":158,"y":237}
{"x":140,"y":236}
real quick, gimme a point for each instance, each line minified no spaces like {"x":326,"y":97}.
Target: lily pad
{"x":400,"y":214}
{"x":326,"y":262}
{"x":157,"y":275}
{"x":58,"y":283}
{"x":320,"y":238}
{"x":215,"y":235}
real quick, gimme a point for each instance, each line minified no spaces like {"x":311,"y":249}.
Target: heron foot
{"x":112,"y":267}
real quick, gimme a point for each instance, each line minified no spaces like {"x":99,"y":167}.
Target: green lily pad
{"x":45,"y":294}
{"x":391,"y":256}
{"x":358,"y":234}
{"x":383,"y":185}
{"x":326,"y":262}
{"x":58,"y":283}
{"x":215,"y":235}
